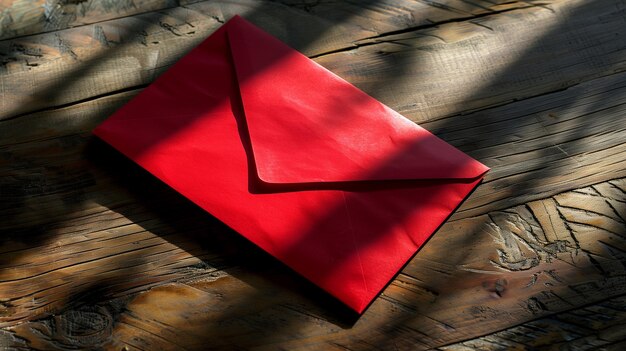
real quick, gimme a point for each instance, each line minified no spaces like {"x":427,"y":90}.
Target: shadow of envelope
{"x":314,"y":171}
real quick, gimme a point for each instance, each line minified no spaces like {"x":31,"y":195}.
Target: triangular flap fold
{"x":308,"y":125}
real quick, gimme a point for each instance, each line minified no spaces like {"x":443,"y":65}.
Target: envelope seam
{"x":352,"y":234}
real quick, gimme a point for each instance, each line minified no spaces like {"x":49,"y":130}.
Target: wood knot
{"x":6,"y":309}
{"x":535,"y":306}
{"x":495,"y":288}
{"x":483,"y":312}
{"x":85,"y":326}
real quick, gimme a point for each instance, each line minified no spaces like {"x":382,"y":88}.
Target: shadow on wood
{"x":37,"y":188}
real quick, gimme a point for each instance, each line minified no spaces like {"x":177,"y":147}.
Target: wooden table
{"x":97,"y":254}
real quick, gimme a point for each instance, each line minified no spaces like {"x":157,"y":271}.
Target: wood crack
{"x":135,"y":88}
{"x":380,"y":38}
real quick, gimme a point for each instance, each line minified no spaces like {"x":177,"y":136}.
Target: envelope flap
{"x":308,"y":125}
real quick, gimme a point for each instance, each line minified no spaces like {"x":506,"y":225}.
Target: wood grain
{"x":27,"y":17}
{"x":97,"y":254}
{"x":476,"y":275}
{"x":73,"y":202}
{"x":493,"y":60}
{"x":426,"y":74}
{"x":529,"y":144}
{"x":381,"y":17}
{"x":55,"y":182}
{"x":22,"y":18}
{"x":89,"y":61}
{"x":598,"y":326}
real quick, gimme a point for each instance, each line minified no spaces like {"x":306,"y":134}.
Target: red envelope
{"x":311,"y":169}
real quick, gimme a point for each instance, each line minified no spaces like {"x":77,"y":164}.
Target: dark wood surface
{"x":97,"y":254}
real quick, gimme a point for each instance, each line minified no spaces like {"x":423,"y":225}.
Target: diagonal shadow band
{"x":406,"y":318}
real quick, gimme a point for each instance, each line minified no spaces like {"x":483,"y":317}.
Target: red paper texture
{"x":322,"y":176}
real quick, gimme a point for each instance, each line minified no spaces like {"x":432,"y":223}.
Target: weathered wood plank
{"x":531,"y":144}
{"x":27,"y":17}
{"x":384,"y":16}
{"x":492,"y":60}
{"x":21,"y":18}
{"x":476,"y":275}
{"x":82,"y":226}
{"x":541,"y":146}
{"x":600,"y":326}
{"x":64,"y":188}
{"x":58,"y":68}
{"x":435,"y":73}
